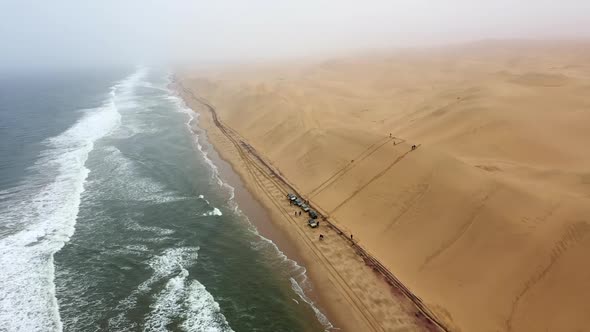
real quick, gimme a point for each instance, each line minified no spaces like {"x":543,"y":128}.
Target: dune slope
{"x":488,"y":219}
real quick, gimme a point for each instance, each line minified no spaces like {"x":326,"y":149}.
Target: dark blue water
{"x":113,"y":218}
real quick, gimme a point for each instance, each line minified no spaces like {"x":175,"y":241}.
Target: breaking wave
{"x":181,"y":299}
{"x":42,"y":213}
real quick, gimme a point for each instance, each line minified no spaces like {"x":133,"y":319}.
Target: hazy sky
{"x":82,"y":32}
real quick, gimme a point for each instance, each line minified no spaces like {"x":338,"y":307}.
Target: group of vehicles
{"x":312,"y":222}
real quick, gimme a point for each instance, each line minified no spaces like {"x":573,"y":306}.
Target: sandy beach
{"x":462,"y":169}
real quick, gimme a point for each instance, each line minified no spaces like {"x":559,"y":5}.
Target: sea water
{"x":114,"y":218}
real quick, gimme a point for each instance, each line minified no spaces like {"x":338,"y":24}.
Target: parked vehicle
{"x":305,"y":207}
{"x":291,"y":197}
{"x":312,"y":223}
{"x":313,"y":214}
{"x":298,"y":202}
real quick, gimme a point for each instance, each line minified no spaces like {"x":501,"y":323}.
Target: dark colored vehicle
{"x":298,"y":202}
{"x":312,"y":223}
{"x":313,"y":214}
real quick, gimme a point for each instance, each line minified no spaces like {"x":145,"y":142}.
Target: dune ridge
{"x":487,"y":220}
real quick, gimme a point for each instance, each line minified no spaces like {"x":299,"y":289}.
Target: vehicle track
{"x":375,"y":177}
{"x":275,"y":187}
{"x":348,"y":167}
{"x":312,"y":192}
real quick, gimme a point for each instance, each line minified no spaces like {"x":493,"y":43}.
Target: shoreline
{"x":353,"y":293}
{"x":259,"y":216}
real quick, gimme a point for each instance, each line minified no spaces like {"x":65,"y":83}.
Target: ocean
{"x":113,"y":216}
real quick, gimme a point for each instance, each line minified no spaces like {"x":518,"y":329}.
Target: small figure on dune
{"x":321,"y":237}
{"x":414,"y":147}
{"x":389,"y":135}
{"x":351,"y":237}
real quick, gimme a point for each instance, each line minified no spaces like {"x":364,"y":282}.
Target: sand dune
{"x":488,"y":219}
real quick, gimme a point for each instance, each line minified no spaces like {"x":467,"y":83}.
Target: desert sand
{"x":487,"y":220}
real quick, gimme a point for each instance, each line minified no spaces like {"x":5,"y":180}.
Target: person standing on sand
{"x":351,"y":237}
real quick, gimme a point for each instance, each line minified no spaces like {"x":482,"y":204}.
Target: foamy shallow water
{"x":124,"y":224}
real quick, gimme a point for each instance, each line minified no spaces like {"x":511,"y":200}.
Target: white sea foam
{"x":299,"y":281}
{"x":166,"y":306}
{"x":203,"y":198}
{"x":182,"y":298}
{"x":127,"y":183}
{"x":136,"y":226}
{"x":193,"y":117}
{"x":137,"y":247}
{"x":163,"y":266}
{"x":214,"y":212}
{"x":319,"y":315}
{"x":45,"y":207}
{"x":188,"y":301}
{"x":203,"y":312}
{"x":134,"y":104}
